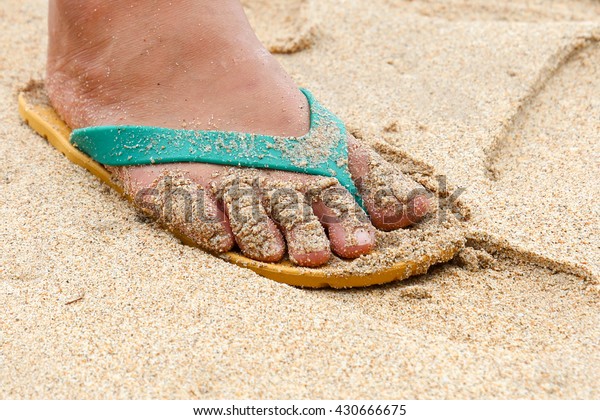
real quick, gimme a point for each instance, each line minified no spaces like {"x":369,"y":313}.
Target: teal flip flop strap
{"x":322,"y":151}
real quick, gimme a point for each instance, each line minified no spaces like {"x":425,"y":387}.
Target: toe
{"x":308,"y":245}
{"x":350,"y":232}
{"x":389,"y":213}
{"x":255,"y":232}
{"x":185,"y":208}
{"x":392,"y":199}
{"x":418,"y":208}
{"x":312,"y":259}
{"x":351,"y":243}
{"x":307,"y":242}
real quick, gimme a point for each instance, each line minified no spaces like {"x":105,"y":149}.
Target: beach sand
{"x":502,"y":101}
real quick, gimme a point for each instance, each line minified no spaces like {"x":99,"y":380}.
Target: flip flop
{"x":94,"y":147}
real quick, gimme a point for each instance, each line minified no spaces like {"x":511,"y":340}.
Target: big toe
{"x":393,"y":200}
{"x":397,"y":214}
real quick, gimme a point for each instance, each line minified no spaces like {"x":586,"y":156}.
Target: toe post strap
{"x":322,"y":151}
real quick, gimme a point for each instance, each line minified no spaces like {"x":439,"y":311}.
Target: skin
{"x":197,"y":64}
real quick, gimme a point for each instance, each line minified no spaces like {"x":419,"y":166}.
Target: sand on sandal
{"x":499,"y":102}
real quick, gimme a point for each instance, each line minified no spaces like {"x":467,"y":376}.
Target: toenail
{"x":362,"y":237}
{"x":420,"y":206}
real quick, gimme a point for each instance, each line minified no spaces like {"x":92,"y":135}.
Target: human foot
{"x":200,"y":66}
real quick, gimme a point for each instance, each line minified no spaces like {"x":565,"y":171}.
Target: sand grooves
{"x":545,"y":162}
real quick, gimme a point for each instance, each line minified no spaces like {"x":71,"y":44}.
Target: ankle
{"x":149,"y":63}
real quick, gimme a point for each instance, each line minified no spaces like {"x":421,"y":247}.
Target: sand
{"x":502,"y":101}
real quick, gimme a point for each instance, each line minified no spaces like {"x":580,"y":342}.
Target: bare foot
{"x":197,"y":64}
